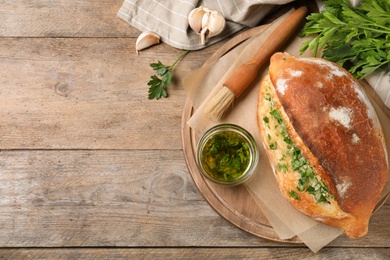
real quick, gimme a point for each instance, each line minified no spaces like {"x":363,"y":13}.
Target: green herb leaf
{"x":158,"y":85}
{"x":282,"y":167}
{"x":157,"y":88}
{"x":273,"y":146}
{"x":356,"y":38}
{"x":294,"y":194}
{"x":160,"y":68}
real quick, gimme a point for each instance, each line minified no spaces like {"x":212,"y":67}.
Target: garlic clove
{"x":216,"y":24}
{"x":205,"y":22}
{"x":203,"y":35}
{"x":195,"y":19}
{"x":145,"y":40}
{"x":213,"y":23}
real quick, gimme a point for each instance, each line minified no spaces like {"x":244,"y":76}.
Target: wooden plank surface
{"x":106,"y":198}
{"x":197,"y":253}
{"x":63,"y":18}
{"x":88,"y":93}
{"x":75,"y":198}
{"x":89,"y":167}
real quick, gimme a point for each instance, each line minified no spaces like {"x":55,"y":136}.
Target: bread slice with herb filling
{"x":324,"y":141}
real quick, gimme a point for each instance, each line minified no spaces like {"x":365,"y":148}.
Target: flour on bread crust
{"x":330,"y":119}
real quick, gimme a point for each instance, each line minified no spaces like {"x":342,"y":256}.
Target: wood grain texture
{"x":84,"y":198}
{"x":77,"y":198}
{"x":197,"y":253}
{"x":63,"y":18}
{"x":88,"y":93}
{"x":90,"y":168}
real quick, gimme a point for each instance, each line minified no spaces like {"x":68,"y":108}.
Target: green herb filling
{"x":293,"y":158}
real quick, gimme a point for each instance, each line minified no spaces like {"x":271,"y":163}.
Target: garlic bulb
{"x":145,"y":40}
{"x":205,"y":22}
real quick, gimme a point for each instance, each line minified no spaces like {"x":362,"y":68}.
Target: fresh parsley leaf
{"x":294,"y":195}
{"x":159,"y":83}
{"x":322,"y":199}
{"x":356,"y":38}
{"x":160,"y":68}
{"x":157,"y":88}
{"x":282,"y":167}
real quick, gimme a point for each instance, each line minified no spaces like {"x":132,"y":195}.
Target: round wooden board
{"x":236,"y":204}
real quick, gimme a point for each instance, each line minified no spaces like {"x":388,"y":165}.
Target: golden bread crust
{"x":332,"y":122}
{"x":287,"y":179}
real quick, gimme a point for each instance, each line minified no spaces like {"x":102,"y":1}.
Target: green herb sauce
{"x":293,"y":158}
{"x":226,"y":156}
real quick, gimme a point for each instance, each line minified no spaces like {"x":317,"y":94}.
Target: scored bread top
{"x":276,"y":133}
{"x":335,"y":120}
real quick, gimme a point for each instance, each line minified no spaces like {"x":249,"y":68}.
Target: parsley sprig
{"x":159,"y":83}
{"x":357,"y":38}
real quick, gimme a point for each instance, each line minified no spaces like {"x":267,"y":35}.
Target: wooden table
{"x":90,"y":168}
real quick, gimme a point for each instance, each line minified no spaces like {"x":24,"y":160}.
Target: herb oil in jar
{"x":227,"y":154}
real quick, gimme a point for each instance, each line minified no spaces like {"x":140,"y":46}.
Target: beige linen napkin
{"x":169,"y":18}
{"x":380,"y":82}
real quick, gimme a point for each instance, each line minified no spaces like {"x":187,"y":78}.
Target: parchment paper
{"x":202,"y":84}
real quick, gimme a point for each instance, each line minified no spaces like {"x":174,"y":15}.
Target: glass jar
{"x":227,"y":154}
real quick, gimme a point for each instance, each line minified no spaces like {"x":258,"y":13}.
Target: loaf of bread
{"x":324,"y":141}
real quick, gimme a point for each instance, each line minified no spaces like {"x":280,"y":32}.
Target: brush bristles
{"x":217,"y":106}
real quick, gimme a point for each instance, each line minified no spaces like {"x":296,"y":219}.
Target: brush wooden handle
{"x":247,"y":72}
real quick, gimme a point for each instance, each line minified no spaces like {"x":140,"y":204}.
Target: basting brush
{"x":247,"y":72}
